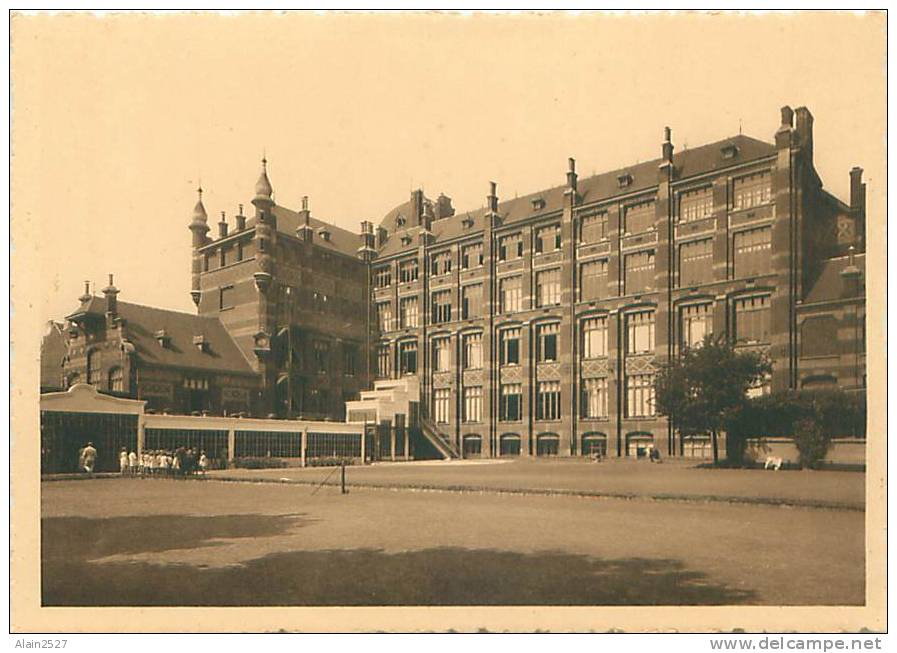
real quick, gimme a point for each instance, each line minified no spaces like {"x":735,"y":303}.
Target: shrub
{"x":259,"y":463}
{"x":813,"y":441}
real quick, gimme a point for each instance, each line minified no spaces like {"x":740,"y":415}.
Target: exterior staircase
{"x":441,"y":442}
{"x":393,"y":397}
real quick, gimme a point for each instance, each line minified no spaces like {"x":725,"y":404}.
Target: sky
{"x":117,"y":119}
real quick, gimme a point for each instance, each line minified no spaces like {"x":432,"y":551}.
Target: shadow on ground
{"x":435,"y":576}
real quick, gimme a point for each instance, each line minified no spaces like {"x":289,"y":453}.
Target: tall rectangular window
{"x":594,"y":337}
{"x":548,"y":239}
{"x":593,"y":228}
{"x":509,"y":346}
{"x":640,"y":395}
{"x":322,"y":356}
{"x":548,"y":287}
{"x":408,"y":271}
{"x":510,"y":402}
{"x":350,"y":358}
{"x":408,"y":357}
{"x":638,"y":272}
{"x":547,"y":342}
{"x":752,"y":190}
{"x":696,"y":262}
{"x":441,"y":307}
{"x":752,"y":252}
{"x":695,"y":204}
{"x":441,"y":354}
{"x":384,"y":316}
{"x":510,"y":247}
{"x":472,"y":404}
{"x":441,"y":399}
{"x":226,"y":297}
{"x":471,"y":301}
{"x":593,"y":280}
{"x":640,"y":332}
{"x":441,"y":263}
{"x":696,"y":322}
{"x":408,"y":315}
{"x":752,"y":319}
{"x":472,"y":351}
{"x":548,"y":400}
{"x":638,"y":217}
{"x":384,"y":362}
{"x":510,"y":294}
{"x":594,"y":398}
{"x":471,"y":256}
{"x":382,"y":277}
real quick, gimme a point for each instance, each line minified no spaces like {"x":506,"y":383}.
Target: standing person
{"x":203,"y":463}
{"x":132,"y":463}
{"x":123,"y":461}
{"x":88,"y":458}
{"x":162,"y":463}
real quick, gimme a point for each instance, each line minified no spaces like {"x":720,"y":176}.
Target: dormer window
{"x":729,"y":151}
{"x":201,"y":343}
{"x":406,"y":240}
{"x":624,"y":180}
{"x":324,"y":234}
{"x":162,"y":338}
{"x":467,"y":222}
{"x":400,"y":221}
{"x":538,"y":204}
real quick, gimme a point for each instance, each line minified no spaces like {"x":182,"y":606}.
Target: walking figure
{"x":88,"y":458}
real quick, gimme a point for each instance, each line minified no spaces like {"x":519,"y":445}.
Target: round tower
{"x":199,"y":227}
{"x":265,"y":229}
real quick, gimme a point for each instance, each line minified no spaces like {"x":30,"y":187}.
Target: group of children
{"x":180,"y":462}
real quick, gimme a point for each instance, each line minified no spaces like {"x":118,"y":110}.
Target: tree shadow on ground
{"x":435,"y":576}
{"x":87,"y":539}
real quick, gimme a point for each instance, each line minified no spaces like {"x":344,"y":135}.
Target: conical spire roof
{"x":263,"y":188}
{"x":200,"y":217}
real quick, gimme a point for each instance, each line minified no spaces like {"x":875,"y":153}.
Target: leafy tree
{"x":811,"y":417}
{"x":700,"y":390}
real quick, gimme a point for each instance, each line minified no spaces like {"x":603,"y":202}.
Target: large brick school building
{"x":531,"y":326}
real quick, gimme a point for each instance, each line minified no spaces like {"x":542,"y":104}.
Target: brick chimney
{"x":305,"y":231}
{"x":417,"y":207}
{"x":222,"y":227}
{"x":492,"y":198}
{"x":443,"y":208}
{"x":804,"y":128}
{"x":111,"y":294}
{"x":240,"y":219}
{"x":857,"y":189}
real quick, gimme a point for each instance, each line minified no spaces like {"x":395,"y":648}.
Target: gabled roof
{"x":143,"y":322}
{"x":829,"y":282}
{"x":688,"y":163}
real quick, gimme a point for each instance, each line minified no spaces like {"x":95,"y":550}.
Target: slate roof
{"x":142,"y":323}
{"x":828,"y":284}
{"x":341,"y":240}
{"x":688,"y":163}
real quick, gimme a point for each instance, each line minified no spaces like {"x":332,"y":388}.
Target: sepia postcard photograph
{"x":431,"y":321}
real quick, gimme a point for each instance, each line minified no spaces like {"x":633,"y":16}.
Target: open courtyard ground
{"x":162,"y":542}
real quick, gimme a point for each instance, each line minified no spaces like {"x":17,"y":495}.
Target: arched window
{"x":819,"y":381}
{"x":473,"y":446}
{"x":116,"y":379}
{"x":594,"y":444}
{"x":509,"y":445}
{"x":639,"y":445}
{"x":547,"y":444}
{"x":93,"y":368}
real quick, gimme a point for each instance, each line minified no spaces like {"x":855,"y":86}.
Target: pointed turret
{"x":263,"y":190}
{"x":199,"y":226}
